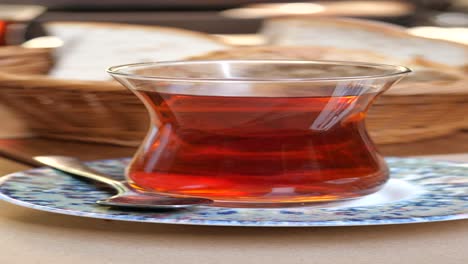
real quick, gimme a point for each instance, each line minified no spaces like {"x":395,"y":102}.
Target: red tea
{"x":258,"y":149}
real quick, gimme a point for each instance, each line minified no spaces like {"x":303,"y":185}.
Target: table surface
{"x":29,"y":236}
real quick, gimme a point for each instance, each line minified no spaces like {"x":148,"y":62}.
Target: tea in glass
{"x":228,"y":131}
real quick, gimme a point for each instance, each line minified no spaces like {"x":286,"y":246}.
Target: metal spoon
{"x":126,"y":196}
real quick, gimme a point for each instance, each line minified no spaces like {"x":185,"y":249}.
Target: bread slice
{"x":293,"y":52}
{"x":90,"y":48}
{"x":378,"y":37}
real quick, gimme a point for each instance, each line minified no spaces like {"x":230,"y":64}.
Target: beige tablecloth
{"x":29,"y":236}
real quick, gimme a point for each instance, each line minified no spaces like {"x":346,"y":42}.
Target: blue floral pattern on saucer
{"x":442,"y":196}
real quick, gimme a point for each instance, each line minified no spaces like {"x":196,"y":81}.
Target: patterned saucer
{"x":420,"y":190}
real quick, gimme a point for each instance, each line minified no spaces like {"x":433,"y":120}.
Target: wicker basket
{"x":104,"y":111}
{"x":397,"y":118}
{"x":19,"y":60}
{"x":98,"y":111}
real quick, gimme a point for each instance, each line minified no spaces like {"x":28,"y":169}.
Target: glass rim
{"x":394,"y":70}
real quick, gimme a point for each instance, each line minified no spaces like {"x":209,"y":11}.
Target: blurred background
{"x":41,"y":96}
{"x":222,"y":17}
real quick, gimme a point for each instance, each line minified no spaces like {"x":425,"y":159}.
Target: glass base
{"x":301,"y":201}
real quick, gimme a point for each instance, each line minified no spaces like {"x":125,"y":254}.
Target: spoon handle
{"x":76,"y":167}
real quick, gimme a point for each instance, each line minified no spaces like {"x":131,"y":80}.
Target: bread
{"x":90,"y":48}
{"x":382,"y":38}
{"x":294,"y":52}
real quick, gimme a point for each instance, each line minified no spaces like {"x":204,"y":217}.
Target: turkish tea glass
{"x":256,"y":133}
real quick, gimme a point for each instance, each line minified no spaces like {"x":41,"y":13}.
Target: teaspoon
{"x":126,"y":196}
